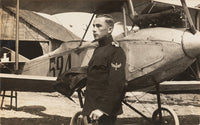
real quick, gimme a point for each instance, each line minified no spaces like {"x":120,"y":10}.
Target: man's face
{"x":101,"y":28}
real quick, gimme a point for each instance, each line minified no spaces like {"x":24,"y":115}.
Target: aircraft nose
{"x":191,"y":44}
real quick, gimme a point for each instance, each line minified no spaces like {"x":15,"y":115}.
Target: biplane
{"x":166,"y":45}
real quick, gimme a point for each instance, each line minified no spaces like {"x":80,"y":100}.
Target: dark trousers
{"x":107,"y":120}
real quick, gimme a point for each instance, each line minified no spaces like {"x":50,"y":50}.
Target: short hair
{"x":109,"y":19}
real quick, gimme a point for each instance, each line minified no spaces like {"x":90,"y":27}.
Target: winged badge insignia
{"x":116,"y":66}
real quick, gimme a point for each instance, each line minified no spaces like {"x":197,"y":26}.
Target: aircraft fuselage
{"x":153,"y":56}
{"x":158,"y":54}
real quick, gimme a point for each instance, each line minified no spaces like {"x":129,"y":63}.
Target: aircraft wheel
{"x":77,"y":119}
{"x":169,"y":117}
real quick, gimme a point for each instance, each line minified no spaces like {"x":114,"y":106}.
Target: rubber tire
{"x":170,"y":111}
{"x":74,"y":119}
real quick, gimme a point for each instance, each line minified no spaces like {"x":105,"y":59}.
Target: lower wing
{"x":27,"y":83}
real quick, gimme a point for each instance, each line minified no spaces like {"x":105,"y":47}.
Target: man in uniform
{"x":105,"y":75}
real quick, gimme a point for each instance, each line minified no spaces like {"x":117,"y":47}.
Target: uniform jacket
{"x":105,"y":79}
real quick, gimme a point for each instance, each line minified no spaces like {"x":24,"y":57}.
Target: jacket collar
{"x":105,"y":40}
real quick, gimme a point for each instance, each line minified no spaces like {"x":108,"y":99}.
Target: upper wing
{"x":190,"y":3}
{"x":27,"y":83}
{"x":61,"y":6}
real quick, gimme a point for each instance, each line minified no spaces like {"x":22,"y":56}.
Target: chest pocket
{"x":98,"y":63}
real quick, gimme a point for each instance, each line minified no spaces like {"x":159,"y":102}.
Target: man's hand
{"x":96,"y":114}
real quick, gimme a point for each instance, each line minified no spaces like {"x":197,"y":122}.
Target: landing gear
{"x":77,"y":119}
{"x":169,"y":117}
{"x":161,"y":116}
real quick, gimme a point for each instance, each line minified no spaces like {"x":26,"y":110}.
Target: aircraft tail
{"x":7,"y":60}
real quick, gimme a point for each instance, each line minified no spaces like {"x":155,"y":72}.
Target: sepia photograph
{"x":100,"y":62}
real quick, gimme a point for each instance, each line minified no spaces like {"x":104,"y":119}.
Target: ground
{"x":36,"y":108}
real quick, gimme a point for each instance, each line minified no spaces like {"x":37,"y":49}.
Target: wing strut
{"x":17,"y":38}
{"x":124,"y":17}
{"x":192,"y":27}
{"x":131,"y":9}
{"x":87,"y":29}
